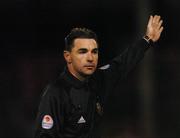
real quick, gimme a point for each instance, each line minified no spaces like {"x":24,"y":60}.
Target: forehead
{"x":85,"y":43}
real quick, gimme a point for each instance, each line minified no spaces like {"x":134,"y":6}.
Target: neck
{"x":77,"y":75}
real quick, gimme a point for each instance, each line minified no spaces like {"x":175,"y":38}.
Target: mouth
{"x":89,"y":67}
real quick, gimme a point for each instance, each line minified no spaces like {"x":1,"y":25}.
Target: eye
{"x":95,"y":51}
{"x":82,"y":51}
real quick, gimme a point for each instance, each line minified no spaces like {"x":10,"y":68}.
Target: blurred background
{"x":145,"y":105}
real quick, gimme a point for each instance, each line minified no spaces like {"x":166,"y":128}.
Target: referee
{"x":72,"y":105}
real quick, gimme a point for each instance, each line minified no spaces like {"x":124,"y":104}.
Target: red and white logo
{"x":47,"y":122}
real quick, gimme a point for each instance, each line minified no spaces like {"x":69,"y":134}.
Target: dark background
{"x":31,"y":44}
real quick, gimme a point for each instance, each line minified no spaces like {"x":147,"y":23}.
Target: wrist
{"x":148,"y":40}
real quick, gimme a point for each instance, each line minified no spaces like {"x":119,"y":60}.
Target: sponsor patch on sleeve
{"x":47,"y":122}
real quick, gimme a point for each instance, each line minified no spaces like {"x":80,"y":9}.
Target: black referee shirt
{"x":71,"y":108}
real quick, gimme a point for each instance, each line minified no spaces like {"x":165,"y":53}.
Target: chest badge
{"x":81,"y":120}
{"x":99,"y":109}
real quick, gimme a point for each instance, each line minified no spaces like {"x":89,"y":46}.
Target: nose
{"x":90,"y":57}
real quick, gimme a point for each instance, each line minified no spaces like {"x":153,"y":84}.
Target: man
{"x":73,"y":104}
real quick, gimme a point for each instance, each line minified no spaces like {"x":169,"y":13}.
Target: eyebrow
{"x":95,"y":49}
{"x":84,"y":49}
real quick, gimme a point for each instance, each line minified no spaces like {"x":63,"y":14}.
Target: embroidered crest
{"x":99,"y":109}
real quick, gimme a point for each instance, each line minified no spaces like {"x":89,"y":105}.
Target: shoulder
{"x":54,"y":89}
{"x":98,"y":75}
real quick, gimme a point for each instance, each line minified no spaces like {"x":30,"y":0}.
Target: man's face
{"x":83,"y":57}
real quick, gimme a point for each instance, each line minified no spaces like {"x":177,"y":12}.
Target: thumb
{"x":150,"y":20}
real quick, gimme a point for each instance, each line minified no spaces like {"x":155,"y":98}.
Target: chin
{"x":88,"y":73}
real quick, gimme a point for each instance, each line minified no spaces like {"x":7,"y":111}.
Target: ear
{"x":67,"y":56}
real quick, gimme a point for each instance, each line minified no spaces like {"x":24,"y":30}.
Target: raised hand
{"x":154,"y":28}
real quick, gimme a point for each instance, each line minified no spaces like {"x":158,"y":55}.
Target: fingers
{"x":150,"y":20}
{"x":160,"y":30}
{"x":160,"y":23}
{"x":156,"y":19}
{"x":157,"y":22}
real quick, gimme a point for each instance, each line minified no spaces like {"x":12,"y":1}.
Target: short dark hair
{"x":78,"y":33}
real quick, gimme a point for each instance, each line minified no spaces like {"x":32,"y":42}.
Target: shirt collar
{"x":73,"y":80}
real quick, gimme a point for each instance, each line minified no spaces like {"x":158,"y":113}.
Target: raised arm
{"x":125,"y":62}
